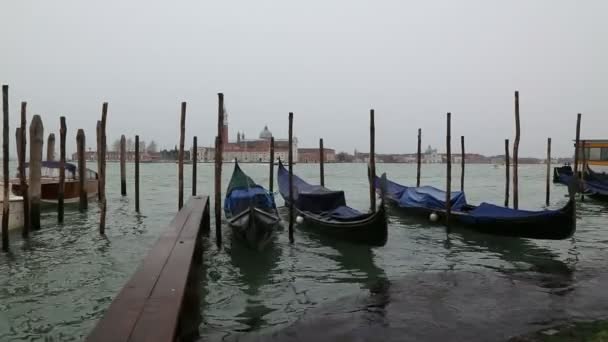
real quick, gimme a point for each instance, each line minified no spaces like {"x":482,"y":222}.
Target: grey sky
{"x":327,"y":61}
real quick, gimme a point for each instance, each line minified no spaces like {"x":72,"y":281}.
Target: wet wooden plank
{"x":148,"y":308}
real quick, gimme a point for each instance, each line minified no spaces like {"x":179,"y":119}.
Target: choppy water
{"x":57,"y":284}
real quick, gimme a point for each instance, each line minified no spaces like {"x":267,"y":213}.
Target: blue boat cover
{"x":491,"y":211}
{"x":55,"y":165}
{"x":316,"y":199}
{"x":426,"y":197}
{"x":241,"y":199}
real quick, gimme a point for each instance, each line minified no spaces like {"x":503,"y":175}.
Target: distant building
{"x":249,"y":150}
{"x":431,"y":156}
{"x":115,"y":156}
{"x":312,"y":155}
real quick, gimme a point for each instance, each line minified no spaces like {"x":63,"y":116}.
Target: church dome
{"x":265,"y":134}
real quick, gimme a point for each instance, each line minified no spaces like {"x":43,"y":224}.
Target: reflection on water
{"x":58,"y":283}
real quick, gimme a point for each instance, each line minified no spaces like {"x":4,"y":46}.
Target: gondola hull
{"x":255,"y":227}
{"x":371,"y":230}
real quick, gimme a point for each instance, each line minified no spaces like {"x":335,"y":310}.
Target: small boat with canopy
{"x":326,"y":211}
{"x":485,"y":217}
{"x":250,"y":210}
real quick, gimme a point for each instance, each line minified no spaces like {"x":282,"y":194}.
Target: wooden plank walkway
{"x":160,"y":302}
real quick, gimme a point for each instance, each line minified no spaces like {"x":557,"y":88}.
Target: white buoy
{"x":434,"y":217}
{"x":299,"y":220}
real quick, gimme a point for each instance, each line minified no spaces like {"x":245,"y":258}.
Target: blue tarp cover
{"x":241,"y":199}
{"x":426,"y":197}
{"x":487,"y":210}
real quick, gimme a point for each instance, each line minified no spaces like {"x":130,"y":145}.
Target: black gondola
{"x":251,"y":210}
{"x":326,"y":211}
{"x":486,"y":218}
{"x":594,"y":184}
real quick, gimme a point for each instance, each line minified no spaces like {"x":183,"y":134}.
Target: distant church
{"x":249,"y":151}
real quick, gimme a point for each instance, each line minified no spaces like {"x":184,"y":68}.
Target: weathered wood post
{"x":5,"y":204}
{"x":321,"y":162}
{"x":271,"y":165}
{"x":507,"y":173}
{"x":102,"y":161}
{"x":218,"y":168}
{"x":419,"y":157}
{"x":137,"y":173}
{"x":372,"y":161}
{"x":82,"y":164}
{"x":548,"y":180}
{"x":22,"y":178}
{"x":577,"y":146}
{"x":180,"y":158}
{"x":448,"y":191}
{"x":61,"y":189}
{"x":462,"y":163}
{"x":123,"y":165}
{"x":290,"y":160}
{"x":194,"y":158}
{"x":516,"y":155}
{"x":50,"y":147}
{"x":99,"y":165}
{"x":37,"y":140}
{"x":583,"y":169}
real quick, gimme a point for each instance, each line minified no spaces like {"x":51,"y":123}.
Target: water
{"x":57,"y":284}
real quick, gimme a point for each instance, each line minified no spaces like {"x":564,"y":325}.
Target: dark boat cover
{"x":316,"y":199}
{"x":243,"y":193}
{"x":426,"y":197}
{"x":487,"y":210}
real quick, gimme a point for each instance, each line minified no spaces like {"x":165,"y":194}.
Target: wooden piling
{"x":219,"y":148}
{"x":61,"y":189}
{"x":448,"y":187}
{"x":180,"y":157}
{"x":577,"y":145}
{"x":99,"y":165}
{"x":419,"y":157}
{"x":321,"y":162}
{"x":372,"y":161}
{"x":6,"y":203}
{"x":462,"y":163}
{"x":50,"y":147}
{"x":516,"y":155}
{"x":37,"y":140}
{"x":507,"y":173}
{"x":137,"y":173}
{"x":194,"y":161}
{"x":123,"y":166}
{"x":102,"y":161}
{"x":548,"y":180}
{"x":290,"y":160}
{"x":82,"y":164}
{"x":271,"y":166}
{"x":583,"y":168}
{"x":22,"y":178}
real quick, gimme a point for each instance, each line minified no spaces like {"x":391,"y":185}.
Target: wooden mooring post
{"x":573,"y":188}
{"x":102,"y":162}
{"x":516,"y":155}
{"x":123,"y":165}
{"x":82,"y":164}
{"x":50,"y":147}
{"x":462,"y":163}
{"x":219,"y":148}
{"x":271,"y":166}
{"x":321,"y":162}
{"x":290,"y":160}
{"x":507,"y":171}
{"x":372,"y":162}
{"x":448,"y":187}
{"x":583,"y":169}
{"x":61,"y":189}
{"x":137,"y":173}
{"x":99,"y":165}
{"x":419,"y":157}
{"x":35,"y":169}
{"x":180,"y":157}
{"x":21,"y":149}
{"x":548,"y":180}
{"x":5,"y":170}
{"x":194,"y":158}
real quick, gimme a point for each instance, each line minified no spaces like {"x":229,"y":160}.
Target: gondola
{"x":562,"y":174}
{"x":486,"y":218}
{"x":594,"y":184}
{"x":326,"y":211}
{"x":250,"y":210}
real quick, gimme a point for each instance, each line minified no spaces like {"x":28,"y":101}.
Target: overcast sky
{"x":327,"y":61}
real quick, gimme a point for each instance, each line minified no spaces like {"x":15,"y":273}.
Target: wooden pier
{"x":161,"y":302}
